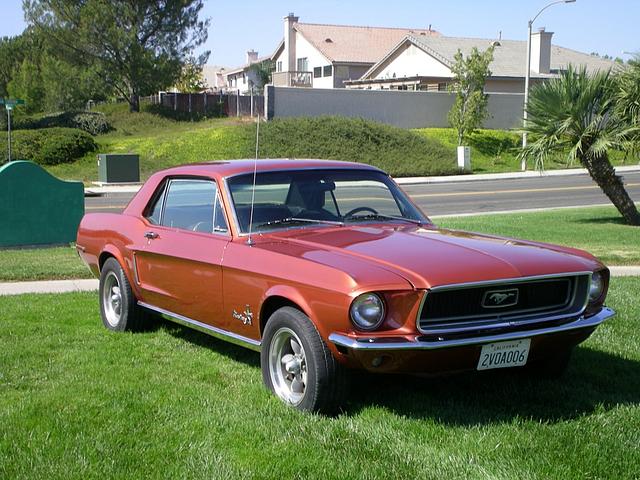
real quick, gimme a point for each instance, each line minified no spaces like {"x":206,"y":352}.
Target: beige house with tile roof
{"x":325,"y":56}
{"x":424,"y":63}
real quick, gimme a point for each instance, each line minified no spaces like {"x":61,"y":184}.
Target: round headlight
{"x":596,"y":287}
{"x":367,"y":311}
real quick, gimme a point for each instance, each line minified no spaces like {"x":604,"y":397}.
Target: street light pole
{"x":527,"y":73}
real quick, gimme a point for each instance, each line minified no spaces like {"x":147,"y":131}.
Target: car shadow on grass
{"x":594,"y":380}
{"x":229,"y":350}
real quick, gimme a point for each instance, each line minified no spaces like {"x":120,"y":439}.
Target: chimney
{"x":252,"y":57}
{"x":289,"y":64}
{"x":541,"y":51}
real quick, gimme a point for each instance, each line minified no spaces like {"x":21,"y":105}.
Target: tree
{"x":576,"y":113}
{"x":137,"y":46}
{"x":469,"y":77}
{"x":263,"y":71}
{"x":190,"y":80}
{"x":627,"y":104}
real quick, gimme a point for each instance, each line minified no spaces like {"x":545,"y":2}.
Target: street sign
{"x":11,"y":102}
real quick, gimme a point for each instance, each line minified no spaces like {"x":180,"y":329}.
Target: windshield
{"x":286,"y":199}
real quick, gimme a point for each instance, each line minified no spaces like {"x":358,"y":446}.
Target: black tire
{"x":326,"y":385}
{"x":129,"y":316}
{"x":551,"y":367}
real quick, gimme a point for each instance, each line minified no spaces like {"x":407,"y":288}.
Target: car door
{"x":179,"y":268}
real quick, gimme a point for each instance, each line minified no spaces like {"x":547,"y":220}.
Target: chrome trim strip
{"x":203,"y":327}
{"x":376,"y":344}
{"x":503,"y":281}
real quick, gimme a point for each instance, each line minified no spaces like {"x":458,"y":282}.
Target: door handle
{"x":151,"y":235}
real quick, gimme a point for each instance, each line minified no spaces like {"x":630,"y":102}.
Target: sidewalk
{"x":87,"y":285}
{"x":129,"y":188}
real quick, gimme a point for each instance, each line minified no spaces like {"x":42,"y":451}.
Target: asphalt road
{"x":471,"y":197}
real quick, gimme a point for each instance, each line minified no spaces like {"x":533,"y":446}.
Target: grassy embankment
{"x":77,"y":401}
{"x":162,"y":142}
{"x":599,"y":230}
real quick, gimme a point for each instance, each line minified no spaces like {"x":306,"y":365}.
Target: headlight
{"x":367,"y":311}
{"x":596,"y":287}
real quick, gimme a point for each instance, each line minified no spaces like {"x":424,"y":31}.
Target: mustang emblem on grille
{"x":500,"y":298}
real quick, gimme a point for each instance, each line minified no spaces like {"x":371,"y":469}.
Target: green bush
{"x":48,"y":146}
{"x":399,"y":152}
{"x":94,"y":123}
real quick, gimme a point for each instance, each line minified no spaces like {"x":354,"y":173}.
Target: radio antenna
{"x":255,"y":171}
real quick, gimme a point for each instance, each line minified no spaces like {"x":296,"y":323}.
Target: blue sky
{"x":604,"y":26}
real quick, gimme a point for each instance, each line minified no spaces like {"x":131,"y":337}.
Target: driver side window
{"x":190,"y":204}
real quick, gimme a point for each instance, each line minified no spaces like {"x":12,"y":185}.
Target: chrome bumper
{"x":393,"y":343}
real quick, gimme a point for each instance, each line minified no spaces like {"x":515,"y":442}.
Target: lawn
{"x":494,"y":151}
{"x":599,"y":230}
{"x":77,"y":401}
{"x":163,"y":142}
{"x":49,"y":263}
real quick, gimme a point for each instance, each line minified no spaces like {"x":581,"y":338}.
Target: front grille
{"x":511,"y":300}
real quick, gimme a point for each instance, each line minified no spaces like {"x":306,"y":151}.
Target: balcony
{"x":292,"y":79}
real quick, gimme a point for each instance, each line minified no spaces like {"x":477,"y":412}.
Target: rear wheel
{"x":118,"y":305}
{"x":297,"y":365}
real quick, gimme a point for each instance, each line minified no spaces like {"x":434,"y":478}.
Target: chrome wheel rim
{"x":288,"y":366}
{"x":112,"y":299}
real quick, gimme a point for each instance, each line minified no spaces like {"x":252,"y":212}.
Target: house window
{"x":342,"y":71}
{"x":317,"y":72}
{"x":442,"y":86}
{"x":327,"y":71}
{"x":279,"y":66}
{"x":303,"y":64}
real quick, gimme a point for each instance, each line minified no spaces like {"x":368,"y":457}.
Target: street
{"x":454,"y":198}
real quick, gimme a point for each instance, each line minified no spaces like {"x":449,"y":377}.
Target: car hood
{"x":427,"y":256}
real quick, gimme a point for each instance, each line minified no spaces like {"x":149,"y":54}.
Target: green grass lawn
{"x":163,"y":142}
{"x":77,"y":401}
{"x":494,"y":151}
{"x":599,"y":230}
{"x":47,"y":263}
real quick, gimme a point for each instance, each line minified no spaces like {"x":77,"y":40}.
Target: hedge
{"x":48,"y":146}
{"x":94,"y":123}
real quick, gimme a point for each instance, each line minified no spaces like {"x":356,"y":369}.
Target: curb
{"x":89,"y":285}
{"x":506,"y":175}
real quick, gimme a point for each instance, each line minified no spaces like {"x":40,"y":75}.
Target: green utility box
{"x":118,"y":168}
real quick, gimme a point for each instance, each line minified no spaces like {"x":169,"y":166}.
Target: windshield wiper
{"x":381,"y":216}
{"x":294,"y":220}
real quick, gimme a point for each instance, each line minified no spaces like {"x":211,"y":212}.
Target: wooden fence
{"x":210,"y":103}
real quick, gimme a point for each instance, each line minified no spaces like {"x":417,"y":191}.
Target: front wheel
{"x":297,"y":365}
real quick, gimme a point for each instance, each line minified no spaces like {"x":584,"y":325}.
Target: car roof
{"x":229,"y":168}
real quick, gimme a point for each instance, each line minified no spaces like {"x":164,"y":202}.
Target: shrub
{"x":48,"y":146}
{"x":94,"y":123}
{"x":399,"y":152}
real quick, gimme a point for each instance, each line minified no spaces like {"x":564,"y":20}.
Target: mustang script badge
{"x":500,"y":298}
{"x":245,"y":317}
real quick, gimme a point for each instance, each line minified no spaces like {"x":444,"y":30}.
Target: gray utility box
{"x":118,"y":168}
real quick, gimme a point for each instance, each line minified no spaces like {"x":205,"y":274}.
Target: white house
{"x":420,"y":62}
{"x":325,"y":56}
{"x":213,"y":77}
{"x":245,"y":77}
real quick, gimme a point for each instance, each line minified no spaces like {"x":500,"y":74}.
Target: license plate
{"x":504,"y":354}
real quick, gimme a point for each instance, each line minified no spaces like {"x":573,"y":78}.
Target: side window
{"x":155,"y":210}
{"x":193,"y":205}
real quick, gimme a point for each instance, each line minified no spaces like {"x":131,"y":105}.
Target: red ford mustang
{"x":326,"y":267}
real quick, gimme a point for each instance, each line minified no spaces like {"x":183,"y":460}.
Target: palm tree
{"x":575,"y":113}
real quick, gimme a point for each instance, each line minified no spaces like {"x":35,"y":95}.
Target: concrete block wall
{"x":403,"y":109}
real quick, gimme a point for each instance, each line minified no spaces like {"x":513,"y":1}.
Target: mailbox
{"x":118,"y":168}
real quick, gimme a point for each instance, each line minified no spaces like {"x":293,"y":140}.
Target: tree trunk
{"x":134,"y":102}
{"x":603,"y":173}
